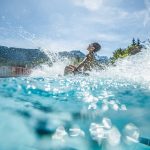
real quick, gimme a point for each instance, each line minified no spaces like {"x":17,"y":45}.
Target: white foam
{"x":134,"y":68}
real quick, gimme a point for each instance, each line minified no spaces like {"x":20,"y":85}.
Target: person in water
{"x":88,"y":63}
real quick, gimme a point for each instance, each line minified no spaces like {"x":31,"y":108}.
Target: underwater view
{"x":106,"y":110}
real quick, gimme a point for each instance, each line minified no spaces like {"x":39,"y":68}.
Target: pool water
{"x":108,"y":110}
{"x":73,"y":113}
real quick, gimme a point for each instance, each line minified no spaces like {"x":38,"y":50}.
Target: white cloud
{"x":147,"y":4}
{"x":92,"y":5}
{"x":66,"y":26}
{"x":108,"y":16}
{"x":147,"y":12}
{"x":109,"y":37}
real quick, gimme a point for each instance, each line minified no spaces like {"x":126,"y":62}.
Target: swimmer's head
{"x":94,"y":47}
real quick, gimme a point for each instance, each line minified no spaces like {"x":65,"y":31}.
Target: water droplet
{"x":105,"y":107}
{"x":115,"y":107}
{"x":76,"y":132}
{"x":107,"y":123}
{"x":114,"y":136}
{"x":60,"y":134}
{"x":92,"y":106}
{"x":123,"y":107}
{"x":131,"y":132}
{"x":96,"y":131}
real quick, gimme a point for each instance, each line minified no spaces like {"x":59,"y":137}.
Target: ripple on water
{"x":74,"y":113}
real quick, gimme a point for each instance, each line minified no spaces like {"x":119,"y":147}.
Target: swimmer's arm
{"x":81,"y":64}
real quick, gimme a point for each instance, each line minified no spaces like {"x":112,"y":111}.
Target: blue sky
{"x":73,"y":24}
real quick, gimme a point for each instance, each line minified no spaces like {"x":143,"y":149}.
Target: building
{"x":16,"y":62}
{"x":10,"y":71}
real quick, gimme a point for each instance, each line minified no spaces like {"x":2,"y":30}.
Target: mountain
{"x":72,"y":54}
{"x":78,"y":54}
{"x":10,"y":56}
{"x":102,"y":59}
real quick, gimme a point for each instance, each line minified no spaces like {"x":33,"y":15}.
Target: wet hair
{"x":97,"y":47}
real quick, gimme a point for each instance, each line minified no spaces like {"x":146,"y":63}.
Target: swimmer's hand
{"x":70,"y":69}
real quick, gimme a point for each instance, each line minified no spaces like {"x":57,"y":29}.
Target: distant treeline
{"x":134,"y":48}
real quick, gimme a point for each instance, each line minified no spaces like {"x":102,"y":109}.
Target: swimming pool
{"x":108,"y":110}
{"x":82,"y":113}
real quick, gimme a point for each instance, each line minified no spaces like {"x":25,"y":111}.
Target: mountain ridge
{"x":11,"y":56}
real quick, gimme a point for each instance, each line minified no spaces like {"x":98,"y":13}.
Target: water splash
{"x":134,"y":68}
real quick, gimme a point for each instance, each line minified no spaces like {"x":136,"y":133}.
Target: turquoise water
{"x":73,"y":113}
{"x":108,"y":110}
